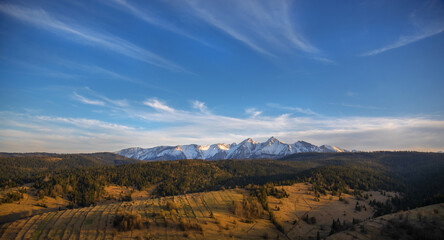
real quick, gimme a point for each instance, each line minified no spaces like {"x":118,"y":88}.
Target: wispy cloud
{"x":306,"y":111}
{"x":360,"y":106}
{"x":427,"y":21}
{"x":324,"y":60}
{"x":200,"y":106}
{"x":253,"y":112}
{"x":158,"y":105}
{"x":35,"y":132}
{"x":264,"y":26}
{"x":405,"y":40}
{"x":150,"y":18}
{"x":88,"y":101}
{"x":28,"y":132}
{"x":100,"y":99}
{"x":41,"y":18}
{"x":85,"y":123}
{"x":351,"y":93}
{"x":357,"y":106}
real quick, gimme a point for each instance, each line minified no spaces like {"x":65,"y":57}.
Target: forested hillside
{"x":81,"y":178}
{"x":20,"y":168}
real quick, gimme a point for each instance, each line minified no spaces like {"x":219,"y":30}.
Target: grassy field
{"x":420,"y":223}
{"x":210,"y":211}
{"x":301,"y":203}
{"x":28,"y":206}
{"x":206,"y":215}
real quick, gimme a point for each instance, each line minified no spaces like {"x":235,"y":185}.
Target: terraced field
{"x":209,"y":210}
{"x":199,"y":216}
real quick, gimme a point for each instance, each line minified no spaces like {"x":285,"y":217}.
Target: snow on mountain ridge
{"x":272,"y":148}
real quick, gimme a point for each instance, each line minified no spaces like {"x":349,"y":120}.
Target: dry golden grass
{"x":302,"y":202}
{"x":117,"y":192}
{"x":194,"y":216}
{"x":29,"y":205}
{"x":420,"y":223}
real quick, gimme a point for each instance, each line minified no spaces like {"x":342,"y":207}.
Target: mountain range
{"x":272,"y":148}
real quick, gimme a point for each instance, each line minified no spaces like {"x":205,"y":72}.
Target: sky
{"x":103,"y":75}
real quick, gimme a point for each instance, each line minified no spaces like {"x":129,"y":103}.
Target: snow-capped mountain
{"x":272,"y":148}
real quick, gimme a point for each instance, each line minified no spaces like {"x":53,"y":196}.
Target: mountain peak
{"x":247,"y":140}
{"x":272,"y":148}
{"x":272,"y":139}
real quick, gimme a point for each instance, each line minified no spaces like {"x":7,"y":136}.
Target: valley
{"x":301,"y":196}
{"x":207,"y":215}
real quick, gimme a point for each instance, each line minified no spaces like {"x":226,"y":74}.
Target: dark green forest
{"x":81,"y":178}
{"x":20,"y":168}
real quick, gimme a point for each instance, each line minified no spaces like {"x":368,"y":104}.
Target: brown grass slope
{"x":228,"y":214}
{"x":426,"y":223}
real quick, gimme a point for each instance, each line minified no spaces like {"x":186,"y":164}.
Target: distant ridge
{"x":272,"y":148}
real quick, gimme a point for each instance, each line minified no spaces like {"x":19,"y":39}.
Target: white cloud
{"x":43,"y":19}
{"x":28,"y":132}
{"x":264,"y":26}
{"x":158,"y":105}
{"x":404,"y":40}
{"x":360,"y":106}
{"x":88,"y":101}
{"x":85,"y":123}
{"x":253,"y":112}
{"x":150,"y":18}
{"x":100,"y":99}
{"x":426,"y":21}
{"x":306,"y":111}
{"x":200,"y":106}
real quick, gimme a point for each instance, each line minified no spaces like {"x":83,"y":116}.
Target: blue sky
{"x":86,"y":76}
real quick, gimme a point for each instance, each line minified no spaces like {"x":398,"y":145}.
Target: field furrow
{"x":193,"y":207}
{"x":42,"y":224}
{"x":109,"y":230}
{"x":226,"y":195}
{"x":59,"y":228}
{"x":211,"y":202}
{"x":13,"y":229}
{"x":30,"y":221}
{"x":51,"y":225}
{"x":102,"y":222}
{"x":204,"y":204}
{"x":90,"y":225}
{"x":78,"y":222}
{"x":33,"y":226}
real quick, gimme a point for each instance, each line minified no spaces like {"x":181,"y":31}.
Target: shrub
{"x":126,"y":221}
{"x":127,"y":198}
{"x":249,"y":208}
{"x":185,"y":226}
{"x":309,"y":220}
{"x":11,"y":197}
{"x":43,"y":205}
{"x":170,"y":205}
{"x":276,"y":223}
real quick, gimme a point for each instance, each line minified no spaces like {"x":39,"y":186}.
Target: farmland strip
{"x":102,"y":221}
{"x":76,"y":228}
{"x":50,"y":225}
{"x":13,"y":229}
{"x":33,"y":226}
{"x":26,"y":226}
{"x":41,"y":226}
